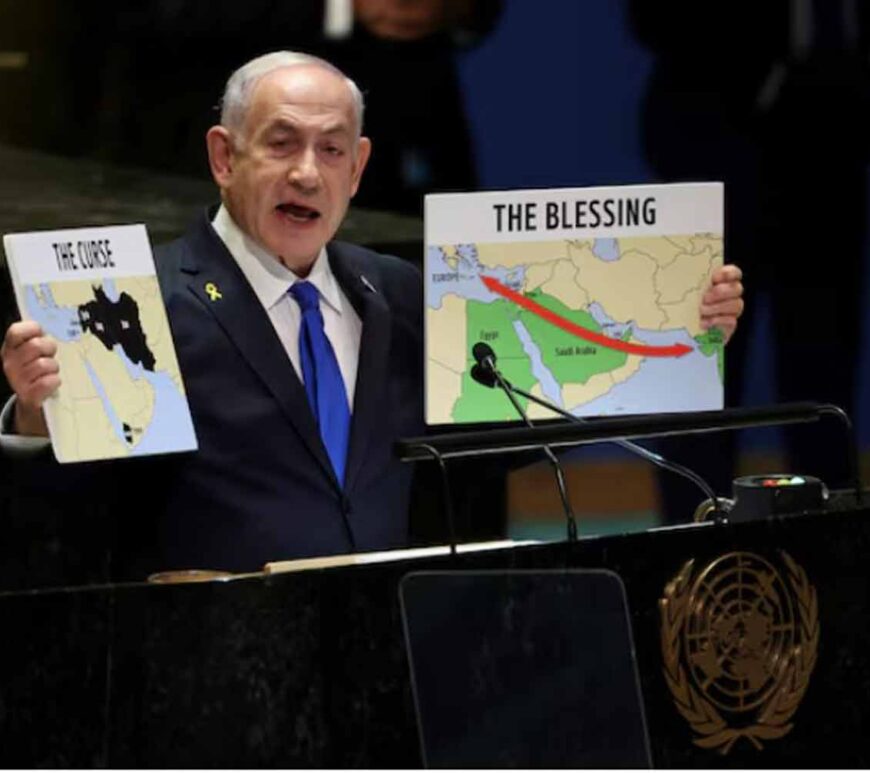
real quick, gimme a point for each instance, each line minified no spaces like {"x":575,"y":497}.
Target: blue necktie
{"x":323,"y":382}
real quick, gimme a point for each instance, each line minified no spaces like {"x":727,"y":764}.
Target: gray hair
{"x":240,"y":86}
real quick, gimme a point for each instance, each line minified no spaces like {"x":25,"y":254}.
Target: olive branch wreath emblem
{"x":772,"y":719}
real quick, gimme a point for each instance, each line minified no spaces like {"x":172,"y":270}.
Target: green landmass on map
{"x":569,"y":358}
{"x":713,"y":343}
{"x":493,"y":323}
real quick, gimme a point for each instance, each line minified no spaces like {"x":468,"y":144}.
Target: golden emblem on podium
{"x":739,"y":643}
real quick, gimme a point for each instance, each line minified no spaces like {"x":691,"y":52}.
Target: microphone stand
{"x":635,"y":448}
{"x":487,"y":373}
{"x":448,"y":499}
{"x":548,"y":452}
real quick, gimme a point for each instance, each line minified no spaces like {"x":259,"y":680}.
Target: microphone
{"x":483,"y":376}
{"x":487,"y":374}
{"x":483,"y":355}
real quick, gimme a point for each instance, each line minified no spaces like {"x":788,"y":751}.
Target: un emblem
{"x":739,"y":643}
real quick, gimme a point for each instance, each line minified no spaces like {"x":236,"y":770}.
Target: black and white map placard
{"x":95,"y":291}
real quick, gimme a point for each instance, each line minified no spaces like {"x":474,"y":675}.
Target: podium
{"x":523,"y":669}
{"x":751,"y":644}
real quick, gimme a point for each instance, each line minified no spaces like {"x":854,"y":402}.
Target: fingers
{"x":731,"y":308}
{"x":18,"y":333}
{"x":40,"y":369}
{"x":725,"y":285}
{"x":29,"y":348}
{"x":29,"y":364}
{"x":722,"y":302}
{"x":727,"y":273}
{"x":723,"y":315}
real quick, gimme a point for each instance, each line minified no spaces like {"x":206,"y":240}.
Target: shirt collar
{"x":267,"y":275}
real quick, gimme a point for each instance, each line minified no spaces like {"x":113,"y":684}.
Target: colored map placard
{"x":95,"y":291}
{"x":589,"y":297}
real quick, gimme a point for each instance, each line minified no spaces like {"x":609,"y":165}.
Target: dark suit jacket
{"x":260,"y":487}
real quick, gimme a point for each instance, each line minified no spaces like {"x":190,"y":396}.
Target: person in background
{"x":120,"y":103}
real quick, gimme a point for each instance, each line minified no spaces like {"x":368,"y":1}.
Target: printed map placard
{"x":95,"y":291}
{"x":589,"y":297}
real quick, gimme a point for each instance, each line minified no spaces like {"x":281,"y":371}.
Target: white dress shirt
{"x":271,"y":280}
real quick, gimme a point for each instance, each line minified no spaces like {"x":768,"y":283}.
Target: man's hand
{"x":722,"y":303}
{"x":32,"y":372}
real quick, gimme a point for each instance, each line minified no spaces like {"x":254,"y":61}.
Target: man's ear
{"x":363,"y":151}
{"x":220,"y":155}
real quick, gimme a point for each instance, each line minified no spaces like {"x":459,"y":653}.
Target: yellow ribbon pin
{"x":212,"y":291}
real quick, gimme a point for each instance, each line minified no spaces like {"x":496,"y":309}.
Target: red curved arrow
{"x":675,"y":350}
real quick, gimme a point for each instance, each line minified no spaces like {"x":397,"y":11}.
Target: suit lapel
{"x":369,"y":397}
{"x":216,"y":279}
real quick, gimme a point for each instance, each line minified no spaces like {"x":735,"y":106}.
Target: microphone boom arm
{"x":509,"y":390}
{"x":634,"y":448}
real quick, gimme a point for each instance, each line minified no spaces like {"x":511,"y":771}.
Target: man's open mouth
{"x":298,"y":212}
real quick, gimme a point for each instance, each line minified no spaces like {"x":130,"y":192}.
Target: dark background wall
{"x":560,"y":94}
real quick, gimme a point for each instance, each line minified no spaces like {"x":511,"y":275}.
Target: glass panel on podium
{"x":528,"y":669}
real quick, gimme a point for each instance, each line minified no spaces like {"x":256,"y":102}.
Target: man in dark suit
{"x":265,"y":484}
{"x":302,"y":357}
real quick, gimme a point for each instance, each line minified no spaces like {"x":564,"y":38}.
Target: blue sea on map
{"x":608,"y":326}
{"x":606,"y":249}
{"x":61,"y":322}
{"x":110,"y":290}
{"x":691,"y":380}
{"x":468,"y":271}
{"x":171,"y":427}
{"x":549,"y":386}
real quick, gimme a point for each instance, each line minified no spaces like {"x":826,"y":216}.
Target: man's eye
{"x":334,"y":150}
{"x":279,"y":142}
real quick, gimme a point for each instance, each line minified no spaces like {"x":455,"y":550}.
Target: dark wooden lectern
{"x":752,"y":644}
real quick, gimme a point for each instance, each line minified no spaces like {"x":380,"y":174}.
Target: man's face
{"x":288,"y":175}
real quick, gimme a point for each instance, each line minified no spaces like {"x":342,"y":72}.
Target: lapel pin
{"x":369,"y":286}
{"x":212,"y":291}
